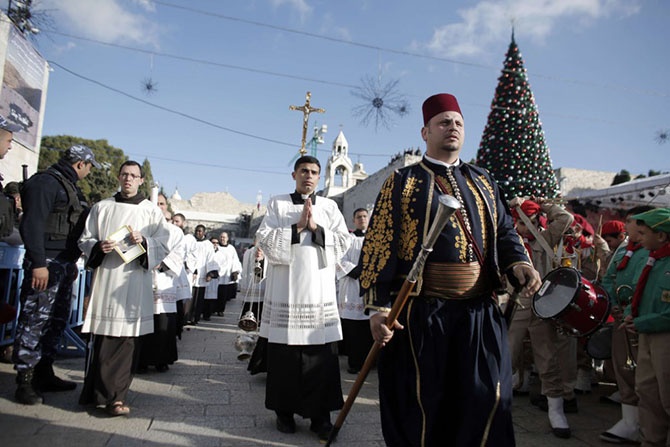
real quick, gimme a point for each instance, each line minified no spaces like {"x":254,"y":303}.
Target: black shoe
{"x":614,"y":439}
{"x":322,"y":428}
{"x":142,"y":369}
{"x":163,"y":367}
{"x":46,"y":381}
{"x":563,"y":433}
{"x":206,"y":319}
{"x":285,"y":423}
{"x":54,"y":384}
{"x":351,"y":370}
{"x":25,"y":392}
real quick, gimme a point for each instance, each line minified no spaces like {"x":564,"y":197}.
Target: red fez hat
{"x":587,"y":228}
{"x":528,"y":207}
{"x":613,"y":227}
{"x":442,"y":102}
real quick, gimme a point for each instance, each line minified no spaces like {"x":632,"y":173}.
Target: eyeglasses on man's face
{"x":129,"y":175}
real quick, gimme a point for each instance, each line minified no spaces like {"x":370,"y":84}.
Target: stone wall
{"x":573,"y":180}
{"x":218,"y":211}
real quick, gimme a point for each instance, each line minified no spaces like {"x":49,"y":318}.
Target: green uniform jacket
{"x":625,"y":280}
{"x":655,"y":304}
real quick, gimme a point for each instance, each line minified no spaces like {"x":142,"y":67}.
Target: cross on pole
{"x":306,"y":109}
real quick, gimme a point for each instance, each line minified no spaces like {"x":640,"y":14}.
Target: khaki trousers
{"x":652,"y":384}
{"x":554,"y":354}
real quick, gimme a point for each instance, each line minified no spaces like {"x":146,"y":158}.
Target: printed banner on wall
{"x":21,"y":94}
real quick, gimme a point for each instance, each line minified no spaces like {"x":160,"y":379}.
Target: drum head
{"x":558,"y":290}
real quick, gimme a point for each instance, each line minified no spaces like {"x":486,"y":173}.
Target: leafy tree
{"x":100,"y":183}
{"x":513,"y":147}
{"x":148,"y":179}
{"x":622,"y":177}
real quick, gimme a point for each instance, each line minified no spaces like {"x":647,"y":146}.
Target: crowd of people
{"x":511,"y":290}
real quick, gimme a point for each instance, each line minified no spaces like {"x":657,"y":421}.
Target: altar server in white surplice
{"x":121,"y":306}
{"x":303,"y":236}
{"x":159,"y":349}
{"x":355,"y":322}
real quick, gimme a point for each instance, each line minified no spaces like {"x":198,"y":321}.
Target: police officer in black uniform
{"x":54,"y":212}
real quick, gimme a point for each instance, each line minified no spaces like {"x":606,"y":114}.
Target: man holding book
{"x":121,"y":305}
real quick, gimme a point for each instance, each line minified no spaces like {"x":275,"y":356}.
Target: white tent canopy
{"x":653,"y":191}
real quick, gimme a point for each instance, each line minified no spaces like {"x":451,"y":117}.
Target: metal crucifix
{"x":306,"y":109}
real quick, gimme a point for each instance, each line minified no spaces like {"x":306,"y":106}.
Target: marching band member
{"x":589,"y":253}
{"x":649,"y":316}
{"x":619,"y":281}
{"x":552,"y":351}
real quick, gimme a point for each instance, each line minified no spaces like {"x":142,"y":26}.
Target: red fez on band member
{"x":442,"y":102}
{"x":530,"y":209}
{"x":580,"y":220}
{"x":613,"y":227}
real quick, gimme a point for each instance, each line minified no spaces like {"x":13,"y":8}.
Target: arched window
{"x":341,"y":176}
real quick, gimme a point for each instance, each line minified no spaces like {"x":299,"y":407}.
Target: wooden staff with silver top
{"x":447,"y":205}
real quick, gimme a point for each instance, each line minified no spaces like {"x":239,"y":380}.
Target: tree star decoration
{"x":381,"y":102}
{"x":149,"y":86}
{"x":662,"y":136}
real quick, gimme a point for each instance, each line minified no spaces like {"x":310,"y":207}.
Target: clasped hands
{"x":306,"y":218}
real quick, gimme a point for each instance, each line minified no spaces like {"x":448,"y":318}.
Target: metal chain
{"x":463,"y":211}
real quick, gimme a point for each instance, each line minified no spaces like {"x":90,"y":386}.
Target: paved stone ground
{"x":208,"y":398}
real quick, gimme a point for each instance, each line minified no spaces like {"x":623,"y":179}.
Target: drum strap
{"x":538,"y":237}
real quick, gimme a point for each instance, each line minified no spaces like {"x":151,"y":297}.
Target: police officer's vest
{"x":63,"y":218}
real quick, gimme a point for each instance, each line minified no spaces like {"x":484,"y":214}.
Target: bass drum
{"x":575,"y":305}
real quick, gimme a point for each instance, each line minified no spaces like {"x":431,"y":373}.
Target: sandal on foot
{"x":117,"y":409}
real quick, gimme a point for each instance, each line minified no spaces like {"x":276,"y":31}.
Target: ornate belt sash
{"x":453,"y":280}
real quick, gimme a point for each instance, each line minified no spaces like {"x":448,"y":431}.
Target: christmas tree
{"x":513,"y":148}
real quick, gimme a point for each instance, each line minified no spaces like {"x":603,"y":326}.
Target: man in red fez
{"x":432,"y":386}
{"x":582,"y":226}
{"x":614,"y":233}
{"x":531,"y":209}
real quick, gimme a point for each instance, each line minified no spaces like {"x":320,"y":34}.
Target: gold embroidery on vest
{"x":408,"y":226}
{"x":376,"y":250}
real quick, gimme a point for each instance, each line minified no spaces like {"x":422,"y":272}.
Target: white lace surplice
{"x":300,"y":298}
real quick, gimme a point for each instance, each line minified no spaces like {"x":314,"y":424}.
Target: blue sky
{"x":226,"y":72}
